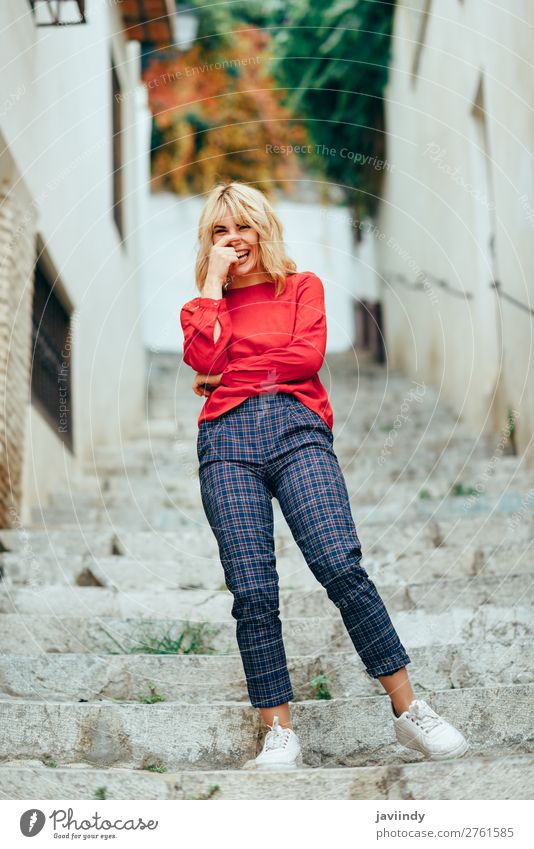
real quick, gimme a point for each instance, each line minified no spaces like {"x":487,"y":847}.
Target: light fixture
{"x":185,"y":27}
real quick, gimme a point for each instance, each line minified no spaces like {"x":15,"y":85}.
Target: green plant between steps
{"x":157,"y":767}
{"x":208,"y":794}
{"x":511,"y":429}
{"x":192,"y":640}
{"x":152,"y":697}
{"x":100,"y":793}
{"x":459,"y":489}
{"x":321,"y":686}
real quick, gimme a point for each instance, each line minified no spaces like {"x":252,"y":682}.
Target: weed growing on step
{"x":460,"y":489}
{"x":100,"y":793}
{"x":510,"y":419}
{"x":51,"y":764}
{"x":424,"y":493}
{"x":157,"y":767}
{"x":152,"y":697}
{"x":192,"y":640}
{"x":320,"y":685}
{"x":209,"y":793}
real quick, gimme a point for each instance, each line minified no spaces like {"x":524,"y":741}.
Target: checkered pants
{"x":273,"y":445}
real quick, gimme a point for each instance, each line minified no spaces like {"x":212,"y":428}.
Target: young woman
{"x":256,"y":337}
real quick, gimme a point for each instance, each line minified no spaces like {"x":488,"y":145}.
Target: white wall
{"x":59,"y":133}
{"x":444,"y":196}
{"x":318,"y":239}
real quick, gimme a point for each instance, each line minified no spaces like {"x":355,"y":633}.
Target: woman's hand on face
{"x":204,"y":384}
{"x":221,"y":257}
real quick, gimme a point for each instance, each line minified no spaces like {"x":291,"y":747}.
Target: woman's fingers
{"x":222,"y":256}
{"x":198,"y":385}
{"x":204,"y":384}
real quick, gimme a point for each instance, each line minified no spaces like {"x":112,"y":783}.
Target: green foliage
{"x":460,"y":489}
{"x":218,"y":20}
{"x":209,"y":793}
{"x":157,"y":767}
{"x":334,"y":59}
{"x":100,"y":793}
{"x":320,"y":685}
{"x":217,"y":113}
{"x":192,"y":640}
{"x":511,"y":429}
{"x":152,"y":697}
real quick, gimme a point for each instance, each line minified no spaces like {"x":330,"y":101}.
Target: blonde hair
{"x":247,"y":206}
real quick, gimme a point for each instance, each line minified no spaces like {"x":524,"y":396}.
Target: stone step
{"x":497,"y":774}
{"x":148,"y":496}
{"x":380,"y":535}
{"x":196,"y":679}
{"x":167,"y":517}
{"x":26,"y":634}
{"x":446,"y":509}
{"x":377,"y":506}
{"x":375,"y":472}
{"x":428,"y":440}
{"x":171,"y":520}
{"x":340,"y":732}
{"x":437,"y":595}
{"x":127,"y":573}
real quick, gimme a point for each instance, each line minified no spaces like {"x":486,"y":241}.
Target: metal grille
{"x":54,"y":13}
{"x":51,"y":358}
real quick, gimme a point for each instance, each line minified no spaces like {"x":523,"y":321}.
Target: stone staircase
{"x":120,"y":675}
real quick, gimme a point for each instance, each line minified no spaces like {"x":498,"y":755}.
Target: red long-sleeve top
{"x":266,"y":344}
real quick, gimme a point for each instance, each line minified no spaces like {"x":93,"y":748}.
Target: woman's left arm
{"x":302,"y":357}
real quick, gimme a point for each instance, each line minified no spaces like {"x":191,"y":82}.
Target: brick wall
{"x":17,"y":260}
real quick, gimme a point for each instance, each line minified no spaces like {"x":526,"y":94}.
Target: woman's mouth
{"x":242,"y":256}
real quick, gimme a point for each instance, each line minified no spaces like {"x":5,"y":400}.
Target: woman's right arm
{"x":207,"y":330}
{"x":205,"y":320}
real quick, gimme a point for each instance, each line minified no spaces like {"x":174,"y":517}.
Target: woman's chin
{"x":242,"y":273}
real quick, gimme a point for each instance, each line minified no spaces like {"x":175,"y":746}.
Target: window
{"x":51,"y":357}
{"x":116,"y":123}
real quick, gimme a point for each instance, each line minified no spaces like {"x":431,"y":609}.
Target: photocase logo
{"x":32,"y":822}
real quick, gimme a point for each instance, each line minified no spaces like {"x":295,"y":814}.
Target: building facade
{"x":74,"y":180}
{"x":454,"y":236}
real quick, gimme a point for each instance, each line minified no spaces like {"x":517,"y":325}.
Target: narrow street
{"x":126,"y":563}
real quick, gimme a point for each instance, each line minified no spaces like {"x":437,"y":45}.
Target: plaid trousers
{"x":273,"y":445}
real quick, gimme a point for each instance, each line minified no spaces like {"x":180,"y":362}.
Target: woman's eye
{"x":244,"y":227}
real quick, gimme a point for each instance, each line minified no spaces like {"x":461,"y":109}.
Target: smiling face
{"x":245,"y":241}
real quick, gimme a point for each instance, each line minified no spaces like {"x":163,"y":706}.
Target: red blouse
{"x":266,"y":344}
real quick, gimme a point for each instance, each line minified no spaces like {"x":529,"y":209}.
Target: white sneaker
{"x":423,"y":729}
{"x":281,"y":748}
